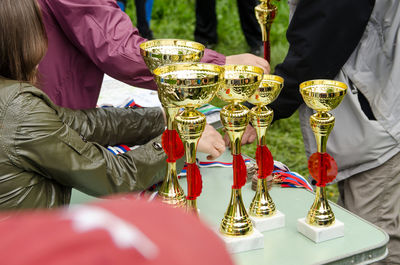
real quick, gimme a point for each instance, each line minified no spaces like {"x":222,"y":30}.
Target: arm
{"x":106,"y":35}
{"x":111,"y":126}
{"x":45,"y":145}
{"x":322,"y":35}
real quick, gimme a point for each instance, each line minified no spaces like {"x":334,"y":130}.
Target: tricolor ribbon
{"x":132,"y":104}
{"x":290,"y":179}
{"x":119,"y":149}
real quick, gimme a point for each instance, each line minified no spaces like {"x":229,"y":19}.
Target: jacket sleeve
{"x":106,"y":35}
{"x":322,"y":35}
{"x":45,"y":145}
{"x":111,"y":126}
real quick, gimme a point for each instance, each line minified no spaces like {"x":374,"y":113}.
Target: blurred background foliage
{"x":176,"y":19}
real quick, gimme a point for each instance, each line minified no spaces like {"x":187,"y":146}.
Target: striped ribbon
{"x":119,"y":149}
{"x":131,"y":104}
{"x":290,"y":179}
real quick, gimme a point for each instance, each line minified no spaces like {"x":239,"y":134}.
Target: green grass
{"x":176,"y":19}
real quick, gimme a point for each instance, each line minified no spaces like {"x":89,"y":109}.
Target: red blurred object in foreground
{"x":111,"y":232}
{"x":323,"y":168}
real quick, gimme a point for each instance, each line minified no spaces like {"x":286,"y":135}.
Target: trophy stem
{"x":170,"y":191}
{"x":320,"y":213}
{"x":322,"y":124}
{"x":191,"y":124}
{"x":262,"y":204}
{"x":236,"y":221}
{"x":261,"y":118}
{"x":235,"y":118}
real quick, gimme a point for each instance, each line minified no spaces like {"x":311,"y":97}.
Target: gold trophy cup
{"x":190,"y":85}
{"x":261,"y":117}
{"x":156,"y":53}
{"x":322,"y":96}
{"x":241,"y":81}
{"x":265,"y":14}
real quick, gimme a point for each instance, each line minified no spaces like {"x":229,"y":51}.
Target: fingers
{"x":264,"y":65}
{"x":249,"y":135}
{"x":217,"y":150}
{"x":211,"y":143}
{"x":249,"y":59}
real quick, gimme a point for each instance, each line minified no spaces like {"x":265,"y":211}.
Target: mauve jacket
{"x":46,"y":150}
{"x":87,"y":39}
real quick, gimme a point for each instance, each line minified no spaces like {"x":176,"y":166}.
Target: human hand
{"x":249,"y":135}
{"x":211,"y":143}
{"x":249,"y":59}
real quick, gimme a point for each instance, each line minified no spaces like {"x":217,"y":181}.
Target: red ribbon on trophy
{"x":195,"y":184}
{"x":239,"y":172}
{"x":265,"y":161}
{"x":172,"y":145}
{"x":323,"y":168}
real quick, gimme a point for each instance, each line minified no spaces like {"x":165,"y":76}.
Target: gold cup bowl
{"x":241,"y":81}
{"x":189,"y":85}
{"x":166,"y":51}
{"x":322,"y":96}
{"x":261,"y":115}
{"x":268,"y":91}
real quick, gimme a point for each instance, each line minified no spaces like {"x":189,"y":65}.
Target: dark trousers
{"x":142,"y":24}
{"x":206,"y":22}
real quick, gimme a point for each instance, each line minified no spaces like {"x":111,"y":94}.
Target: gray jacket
{"x":357,"y":143}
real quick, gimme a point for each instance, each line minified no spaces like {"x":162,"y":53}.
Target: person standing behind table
{"x":354,"y":42}
{"x":206,"y":24}
{"x":46,"y":150}
{"x":93,"y":37}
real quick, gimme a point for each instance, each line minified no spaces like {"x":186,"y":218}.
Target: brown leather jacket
{"x":46,"y":150}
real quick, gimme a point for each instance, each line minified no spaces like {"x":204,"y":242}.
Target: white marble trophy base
{"x":236,"y":244}
{"x":320,"y":234}
{"x":269,"y":223}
